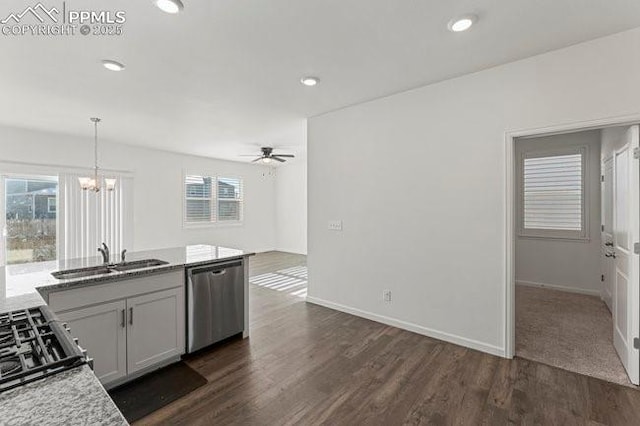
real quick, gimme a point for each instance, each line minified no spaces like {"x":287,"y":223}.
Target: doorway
{"x":572,"y":288}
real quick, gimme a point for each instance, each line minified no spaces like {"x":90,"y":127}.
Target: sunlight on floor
{"x":293,"y":281}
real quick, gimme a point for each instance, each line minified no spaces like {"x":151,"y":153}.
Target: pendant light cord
{"x":95,"y":147}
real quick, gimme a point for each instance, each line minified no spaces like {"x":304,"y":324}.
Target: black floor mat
{"x":147,"y":394}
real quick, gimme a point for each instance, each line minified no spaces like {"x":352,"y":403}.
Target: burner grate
{"x":34,"y":345}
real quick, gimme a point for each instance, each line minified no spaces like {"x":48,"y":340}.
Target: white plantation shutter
{"x":199,"y":199}
{"x":553,"y":195}
{"x":210,"y":199}
{"x":229,"y":199}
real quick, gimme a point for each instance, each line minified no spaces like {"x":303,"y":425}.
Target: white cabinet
{"x":156,"y":328}
{"x":101,"y":331}
{"x":126,"y":326}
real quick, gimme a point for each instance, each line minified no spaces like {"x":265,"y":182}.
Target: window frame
{"x":55,"y":205}
{"x":213,"y":199}
{"x":34,"y":174}
{"x":556,"y":234}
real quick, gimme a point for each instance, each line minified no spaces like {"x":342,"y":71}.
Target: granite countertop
{"x":76,"y":396}
{"x":73,"y":397}
{"x":23,"y":285}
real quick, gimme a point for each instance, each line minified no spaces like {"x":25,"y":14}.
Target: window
{"x":29,"y":219}
{"x":210,"y":199}
{"x":553,"y":193}
{"x":51,"y":204}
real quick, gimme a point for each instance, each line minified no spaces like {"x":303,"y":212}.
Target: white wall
{"x":419,"y":180}
{"x":291,"y":207}
{"x":571,"y":265}
{"x":158,"y":187}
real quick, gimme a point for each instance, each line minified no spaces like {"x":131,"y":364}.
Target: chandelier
{"x":93,"y":183}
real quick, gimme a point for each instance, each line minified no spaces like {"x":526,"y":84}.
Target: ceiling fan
{"x":268,"y":156}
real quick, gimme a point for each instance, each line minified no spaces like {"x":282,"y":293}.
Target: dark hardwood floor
{"x":305,"y":364}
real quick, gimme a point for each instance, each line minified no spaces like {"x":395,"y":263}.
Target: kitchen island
{"x":85,"y":399}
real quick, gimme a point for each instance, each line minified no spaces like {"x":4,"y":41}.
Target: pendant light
{"x":93,"y":183}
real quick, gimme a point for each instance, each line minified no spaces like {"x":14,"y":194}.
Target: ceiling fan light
{"x":266,"y":160}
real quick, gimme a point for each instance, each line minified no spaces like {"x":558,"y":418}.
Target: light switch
{"x":335,"y":225}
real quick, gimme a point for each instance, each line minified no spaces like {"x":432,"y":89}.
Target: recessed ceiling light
{"x":309,"y":81}
{"x":170,"y":6}
{"x":462,"y":23}
{"x":112,"y":65}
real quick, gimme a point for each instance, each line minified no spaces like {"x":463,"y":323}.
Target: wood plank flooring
{"x":308,"y":365}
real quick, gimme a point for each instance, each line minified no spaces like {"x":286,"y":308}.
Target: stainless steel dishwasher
{"x":215,"y":303}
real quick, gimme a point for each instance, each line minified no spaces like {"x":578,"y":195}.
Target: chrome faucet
{"x":105,"y":253}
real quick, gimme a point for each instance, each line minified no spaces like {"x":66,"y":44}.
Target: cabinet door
{"x":155,"y":328}
{"x":101,"y":330}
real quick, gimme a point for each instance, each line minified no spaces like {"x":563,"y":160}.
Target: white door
{"x":626,"y":216}
{"x":156,"y":328}
{"x":101,"y":330}
{"x":606,"y":193}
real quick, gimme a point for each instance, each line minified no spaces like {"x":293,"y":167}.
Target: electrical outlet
{"x":335,"y":225}
{"x":386,"y":296}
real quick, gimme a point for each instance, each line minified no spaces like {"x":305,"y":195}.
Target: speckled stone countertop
{"x":27,"y":282}
{"x":76,"y":396}
{"x":73,"y":397}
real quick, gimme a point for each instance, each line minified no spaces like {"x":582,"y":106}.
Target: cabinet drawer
{"x":65,"y":300}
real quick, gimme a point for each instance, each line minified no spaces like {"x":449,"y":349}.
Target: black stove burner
{"x":9,"y":367}
{"x":34,"y":345}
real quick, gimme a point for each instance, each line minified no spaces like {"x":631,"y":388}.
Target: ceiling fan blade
{"x":246,"y":155}
{"x":285,"y":155}
{"x":257,"y":159}
{"x":275,"y":157}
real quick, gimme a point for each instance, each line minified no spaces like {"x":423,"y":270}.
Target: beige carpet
{"x":569,"y":331}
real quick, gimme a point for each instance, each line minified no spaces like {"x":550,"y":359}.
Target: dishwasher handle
{"x":218,"y":269}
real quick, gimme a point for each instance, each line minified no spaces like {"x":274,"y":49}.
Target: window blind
{"x":199,"y":199}
{"x":229,"y":199}
{"x":89,"y":219}
{"x":211,"y":199}
{"x":553,"y":192}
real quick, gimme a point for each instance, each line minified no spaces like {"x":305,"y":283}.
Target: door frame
{"x":511,"y":205}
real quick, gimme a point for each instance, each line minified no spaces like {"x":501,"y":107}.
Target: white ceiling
{"x":222,"y":78}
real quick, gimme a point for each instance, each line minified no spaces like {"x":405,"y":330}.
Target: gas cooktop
{"x":34,"y":345}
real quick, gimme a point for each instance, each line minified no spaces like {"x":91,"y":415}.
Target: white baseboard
{"x":440,"y":335}
{"x":560,"y":288}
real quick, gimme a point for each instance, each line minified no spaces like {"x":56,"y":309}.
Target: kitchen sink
{"x":81,"y":272}
{"x":138,"y":264}
{"x":70,"y":274}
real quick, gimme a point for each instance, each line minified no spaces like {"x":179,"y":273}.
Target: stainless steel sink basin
{"x":138,"y":264}
{"x":81,"y":272}
{"x":70,"y":274}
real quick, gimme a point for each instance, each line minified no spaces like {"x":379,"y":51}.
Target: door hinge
{"x":602,"y":227}
{"x":601,"y":178}
{"x":636,"y":153}
{"x":636,"y":248}
{"x":636,"y":343}
{"x":602,"y":277}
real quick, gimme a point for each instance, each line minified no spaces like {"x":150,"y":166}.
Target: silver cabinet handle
{"x":221,"y":272}
{"x":608,"y":244}
{"x":131,"y":316}
{"x":124,"y":321}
